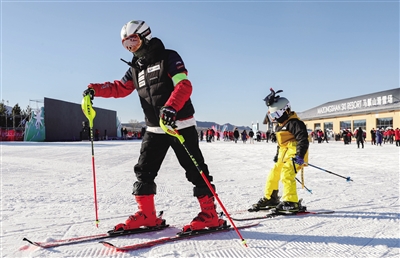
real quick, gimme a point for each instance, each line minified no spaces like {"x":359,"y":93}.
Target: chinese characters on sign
{"x":357,"y":104}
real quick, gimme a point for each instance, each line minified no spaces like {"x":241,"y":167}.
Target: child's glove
{"x":298,"y":160}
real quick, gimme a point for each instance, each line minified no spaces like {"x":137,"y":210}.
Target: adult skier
{"x":160,"y":78}
{"x":292,"y":153}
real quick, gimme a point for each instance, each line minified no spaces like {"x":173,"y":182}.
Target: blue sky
{"x":235,"y":51}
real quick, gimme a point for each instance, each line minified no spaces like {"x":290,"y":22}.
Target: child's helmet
{"x":278,"y":111}
{"x":278,"y":107}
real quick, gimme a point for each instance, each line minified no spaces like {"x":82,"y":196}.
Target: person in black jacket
{"x":292,"y":153}
{"x":160,"y":78}
{"x":373,"y":136}
{"x":258,"y":135}
{"x":236,"y":135}
{"x":360,"y":137}
{"x":251,"y":136}
{"x":345,"y":136}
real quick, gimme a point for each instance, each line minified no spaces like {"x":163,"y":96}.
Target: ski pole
{"x":302,"y":183}
{"x":90,"y":113}
{"x":348,"y":179}
{"x":175,"y":133}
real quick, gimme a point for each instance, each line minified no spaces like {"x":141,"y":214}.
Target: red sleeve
{"x":180,"y":95}
{"x":116,"y":89}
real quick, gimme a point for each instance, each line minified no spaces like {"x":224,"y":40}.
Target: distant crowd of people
{"x":318,"y":135}
{"x":211,"y":135}
{"x":130,"y":134}
{"x":378,"y":136}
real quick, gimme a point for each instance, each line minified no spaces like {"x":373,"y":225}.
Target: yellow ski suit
{"x":292,"y":139}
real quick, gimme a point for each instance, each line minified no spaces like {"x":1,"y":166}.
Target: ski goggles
{"x":274,"y":116}
{"x":132,"y":43}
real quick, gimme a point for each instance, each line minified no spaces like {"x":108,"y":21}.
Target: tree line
{"x":15,"y":118}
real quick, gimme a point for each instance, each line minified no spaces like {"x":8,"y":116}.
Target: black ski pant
{"x":358,"y":143}
{"x":152,"y":153}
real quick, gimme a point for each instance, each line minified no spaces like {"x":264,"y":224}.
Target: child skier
{"x":292,"y":153}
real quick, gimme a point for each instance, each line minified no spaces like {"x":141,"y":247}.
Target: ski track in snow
{"x":47,"y":193}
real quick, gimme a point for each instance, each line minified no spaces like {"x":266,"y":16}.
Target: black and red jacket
{"x":152,"y":79}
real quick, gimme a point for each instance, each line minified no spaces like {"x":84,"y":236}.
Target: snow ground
{"x":47,"y":193}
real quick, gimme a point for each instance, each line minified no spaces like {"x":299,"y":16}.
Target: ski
{"x":81,"y":239}
{"x":178,"y":236}
{"x":109,"y":234}
{"x":255,"y":207}
{"x":277,"y":214}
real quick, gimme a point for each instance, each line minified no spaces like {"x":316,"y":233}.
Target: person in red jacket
{"x":397,"y":136}
{"x":159,"y":77}
{"x":391,"y":135}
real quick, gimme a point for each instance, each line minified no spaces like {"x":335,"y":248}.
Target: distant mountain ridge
{"x":230,"y":127}
{"x":200,"y":126}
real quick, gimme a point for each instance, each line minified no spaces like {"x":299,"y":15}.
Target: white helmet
{"x":133,"y":34}
{"x":278,"y":109}
{"x":136,"y":27}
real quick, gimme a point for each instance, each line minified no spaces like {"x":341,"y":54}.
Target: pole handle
{"x":88,"y":110}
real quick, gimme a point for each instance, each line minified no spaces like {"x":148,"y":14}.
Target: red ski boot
{"x":144,"y":217}
{"x":207,"y":218}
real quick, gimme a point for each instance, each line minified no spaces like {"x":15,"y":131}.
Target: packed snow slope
{"x":47,"y":193}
